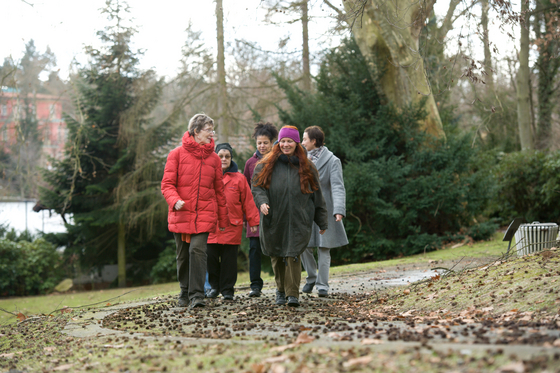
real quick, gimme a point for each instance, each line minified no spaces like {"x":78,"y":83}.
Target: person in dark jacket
{"x":287,"y":191}
{"x":193,"y":188}
{"x":265,"y":134}
{"x":223,"y":245}
{"x":332,"y":185}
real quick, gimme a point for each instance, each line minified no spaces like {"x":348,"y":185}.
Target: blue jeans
{"x":255,"y":263}
{"x":207,"y":284}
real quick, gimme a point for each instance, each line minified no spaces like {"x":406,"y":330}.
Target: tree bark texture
{"x":223,"y":128}
{"x":121,"y":256}
{"x":305,"y":54}
{"x":486,"y":41}
{"x":387,"y":33}
{"x":548,"y":65}
{"x":523,"y":81}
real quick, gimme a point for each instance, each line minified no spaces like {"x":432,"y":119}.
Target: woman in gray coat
{"x":332,"y":185}
{"x":286,"y":189}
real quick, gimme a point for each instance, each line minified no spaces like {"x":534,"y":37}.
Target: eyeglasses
{"x":224,"y":156}
{"x":209,"y":130}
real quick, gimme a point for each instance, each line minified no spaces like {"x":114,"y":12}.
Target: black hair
{"x":265,"y":129}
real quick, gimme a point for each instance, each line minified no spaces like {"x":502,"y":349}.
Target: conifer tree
{"x":111,"y":142}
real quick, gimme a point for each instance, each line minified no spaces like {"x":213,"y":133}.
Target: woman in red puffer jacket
{"x":223,"y":246}
{"x":193,"y":188}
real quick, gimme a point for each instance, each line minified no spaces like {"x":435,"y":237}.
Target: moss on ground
{"x":525,"y":284}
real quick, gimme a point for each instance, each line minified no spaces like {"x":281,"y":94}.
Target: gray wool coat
{"x":332,"y":186}
{"x":285,"y":231}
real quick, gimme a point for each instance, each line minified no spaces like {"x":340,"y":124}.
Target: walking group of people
{"x":291,"y":198}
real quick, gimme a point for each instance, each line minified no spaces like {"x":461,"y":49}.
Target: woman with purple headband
{"x":287,"y":191}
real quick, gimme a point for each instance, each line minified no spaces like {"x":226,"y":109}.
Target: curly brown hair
{"x":307,"y":179}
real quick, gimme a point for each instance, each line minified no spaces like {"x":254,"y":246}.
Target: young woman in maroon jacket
{"x":265,"y":134}
{"x":193,"y":188}
{"x":223,"y":246}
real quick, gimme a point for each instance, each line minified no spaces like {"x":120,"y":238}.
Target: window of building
{"x":4,"y":110}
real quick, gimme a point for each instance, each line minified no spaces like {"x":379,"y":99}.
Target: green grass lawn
{"x":46,"y":304}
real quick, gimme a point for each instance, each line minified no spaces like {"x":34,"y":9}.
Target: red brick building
{"x":51,"y":126}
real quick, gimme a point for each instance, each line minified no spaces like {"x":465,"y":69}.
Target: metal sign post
{"x":511,"y":232}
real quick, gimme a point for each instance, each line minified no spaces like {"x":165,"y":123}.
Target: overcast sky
{"x":69,"y":25}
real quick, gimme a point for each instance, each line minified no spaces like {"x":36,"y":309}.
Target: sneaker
{"x":308,"y":288}
{"x":293,"y":302}
{"x":197,"y":302}
{"x":280,"y":298}
{"x":254,"y":293}
{"x":323,"y":293}
{"x":228,"y":297}
{"x":212,"y":293}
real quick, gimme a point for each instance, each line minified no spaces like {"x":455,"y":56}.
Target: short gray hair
{"x":198,"y":122}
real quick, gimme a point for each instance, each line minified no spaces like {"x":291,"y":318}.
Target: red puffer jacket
{"x":239,"y":201}
{"x":193,"y":173}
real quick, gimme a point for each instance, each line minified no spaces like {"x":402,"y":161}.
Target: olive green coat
{"x":286,"y":230}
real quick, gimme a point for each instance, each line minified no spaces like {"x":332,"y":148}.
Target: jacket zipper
{"x":198,"y":193}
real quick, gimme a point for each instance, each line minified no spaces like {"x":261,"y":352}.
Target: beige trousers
{"x":287,"y":273}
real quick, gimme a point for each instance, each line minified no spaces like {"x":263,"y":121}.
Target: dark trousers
{"x":222,"y":267}
{"x":287,"y":273}
{"x":255,"y":263}
{"x":191,"y":264}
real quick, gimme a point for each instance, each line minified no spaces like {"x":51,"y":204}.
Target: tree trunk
{"x":387,"y":33}
{"x":548,"y":67}
{"x":486,"y":41}
{"x":523,"y":81}
{"x":306,"y":66}
{"x":121,"y":256}
{"x":223,"y":129}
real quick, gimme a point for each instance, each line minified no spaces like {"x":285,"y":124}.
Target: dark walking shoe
{"x":323,"y":293}
{"x":280,"y":298}
{"x":254,"y":293}
{"x":212,"y":293}
{"x":183,"y":302}
{"x":293,"y":302}
{"x":308,"y":288}
{"x":228,"y":297}
{"x":197,"y":302}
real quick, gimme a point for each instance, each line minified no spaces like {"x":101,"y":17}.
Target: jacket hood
{"x":232,"y":167}
{"x":324,"y":158}
{"x":190,"y":145}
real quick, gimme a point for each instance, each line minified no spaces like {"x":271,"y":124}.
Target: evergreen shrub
{"x":29,"y":268}
{"x":528,"y":186}
{"x":165,"y":270}
{"x":406,"y":192}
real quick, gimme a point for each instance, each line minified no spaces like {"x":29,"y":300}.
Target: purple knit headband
{"x":289,"y":133}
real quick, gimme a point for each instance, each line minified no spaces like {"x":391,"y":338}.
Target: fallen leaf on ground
{"x":406,"y":291}
{"x":64,"y":367}
{"x":113,"y":346}
{"x":21,"y":316}
{"x":257,"y":368}
{"x":108,"y":304}
{"x":517,"y":367}
{"x":364,"y":360}
{"x":304,"y":338}
{"x":277,"y":368}
{"x":369,"y":341}
{"x":556,"y":343}
{"x":49,"y":348}
{"x":276,"y":359}
{"x":283,"y":348}
{"x":7,"y":356}
{"x":66,"y":310}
